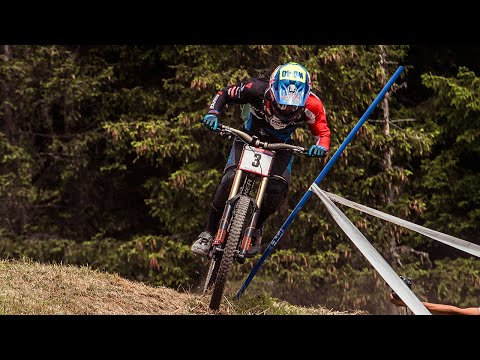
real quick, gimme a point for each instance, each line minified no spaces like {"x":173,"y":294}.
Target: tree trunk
{"x":7,"y":125}
{"x":387,"y":159}
{"x":392,"y":257}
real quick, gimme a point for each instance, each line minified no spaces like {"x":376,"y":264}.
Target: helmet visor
{"x":286,"y":113}
{"x":286,"y":109}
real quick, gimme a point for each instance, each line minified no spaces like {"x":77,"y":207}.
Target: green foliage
{"x":155,"y":139}
{"x":449,"y":182}
{"x":101,"y":145}
{"x":17,"y":192}
{"x":449,"y":281}
{"x":262,"y":303}
{"x":183,"y":187}
{"x":158,"y":260}
{"x":162,"y":261}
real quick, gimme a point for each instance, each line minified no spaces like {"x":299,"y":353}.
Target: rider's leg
{"x":277,"y":187}
{"x":275,"y":195}
{"x":202,"y":245}
{"x":219,"y":199}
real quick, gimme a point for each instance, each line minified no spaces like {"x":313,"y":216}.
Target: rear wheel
{"x":237,"y":227}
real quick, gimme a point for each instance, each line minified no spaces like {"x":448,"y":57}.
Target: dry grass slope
{"x":32,"y":288}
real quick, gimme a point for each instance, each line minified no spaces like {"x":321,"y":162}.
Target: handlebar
{"x":254,"y":141}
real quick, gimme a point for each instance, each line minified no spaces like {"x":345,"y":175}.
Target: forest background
{"x":103,"y":162}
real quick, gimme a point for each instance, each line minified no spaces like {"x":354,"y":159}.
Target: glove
{"x":317,"y":151}
{"x":210,"y":121}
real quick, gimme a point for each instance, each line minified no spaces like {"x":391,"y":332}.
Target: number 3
{"x":257,"y":160}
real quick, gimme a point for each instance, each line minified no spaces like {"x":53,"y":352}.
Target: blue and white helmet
{"x":289,"y":88}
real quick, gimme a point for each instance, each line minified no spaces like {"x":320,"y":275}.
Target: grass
{"x":33,"y":288}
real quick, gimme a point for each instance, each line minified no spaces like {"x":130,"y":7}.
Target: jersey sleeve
{"x":317,"y":121}
{"x":241,"y":93}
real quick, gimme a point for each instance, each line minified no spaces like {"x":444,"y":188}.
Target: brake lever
{"x":224,"y":134}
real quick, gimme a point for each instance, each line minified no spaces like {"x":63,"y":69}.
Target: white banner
{"x":372,"y":255}
{"x":455,"y":242}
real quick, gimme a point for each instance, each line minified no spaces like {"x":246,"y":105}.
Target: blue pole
{"x":319,"y":178}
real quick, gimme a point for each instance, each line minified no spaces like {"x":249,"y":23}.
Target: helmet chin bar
{"x":287,"y":118}
{"x":287,"y":109}
{"x":271,"y":108}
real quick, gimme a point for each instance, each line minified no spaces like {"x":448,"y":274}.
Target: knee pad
{"x":275,"y":195}
{"x":277,"y":185}
{"x":223,"y":189}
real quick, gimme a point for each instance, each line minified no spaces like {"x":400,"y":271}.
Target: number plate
{"x":255,"y":160}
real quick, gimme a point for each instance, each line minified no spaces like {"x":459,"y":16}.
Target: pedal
{"x":240,"y":258}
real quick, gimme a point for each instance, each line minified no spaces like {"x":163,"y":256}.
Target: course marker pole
{"x":319,"y":178}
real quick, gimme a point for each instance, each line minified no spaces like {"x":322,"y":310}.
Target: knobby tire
{"x":235,"y":234}
{"x":212,"y":273}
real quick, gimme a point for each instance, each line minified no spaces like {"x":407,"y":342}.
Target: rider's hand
{"x":317,"y":151}
{"x":210,"y":121}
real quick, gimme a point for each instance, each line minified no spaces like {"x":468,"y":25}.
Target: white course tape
{"x":455,"y":242}
{"x":372,"y":255}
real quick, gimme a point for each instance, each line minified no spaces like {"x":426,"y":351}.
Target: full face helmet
{"x":289,"y":88}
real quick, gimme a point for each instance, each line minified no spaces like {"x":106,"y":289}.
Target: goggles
{"x":286,"y":113}
{"x":285,"y":109}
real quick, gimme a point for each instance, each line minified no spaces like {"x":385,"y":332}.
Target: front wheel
{"x":212,"y":273}
{"x":237,"y":226}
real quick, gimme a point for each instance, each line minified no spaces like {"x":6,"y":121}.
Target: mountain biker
{"x":276,"y":108}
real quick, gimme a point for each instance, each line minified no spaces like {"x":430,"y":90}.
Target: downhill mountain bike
{"x":242,"y":209}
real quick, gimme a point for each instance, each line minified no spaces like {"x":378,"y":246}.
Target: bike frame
{"x":248,"y":179}
{"x":242,"y":209}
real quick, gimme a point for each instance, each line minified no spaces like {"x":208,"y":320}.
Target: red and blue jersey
{"x":262,"y":122}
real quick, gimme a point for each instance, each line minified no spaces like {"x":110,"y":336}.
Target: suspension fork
{"x":222,"y":227}
{"x":247,"y":238}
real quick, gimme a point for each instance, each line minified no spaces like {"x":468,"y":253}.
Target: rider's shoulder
{"x":256,"y":80}
{"x":254,"y":85}
{"x":313,"y":102}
